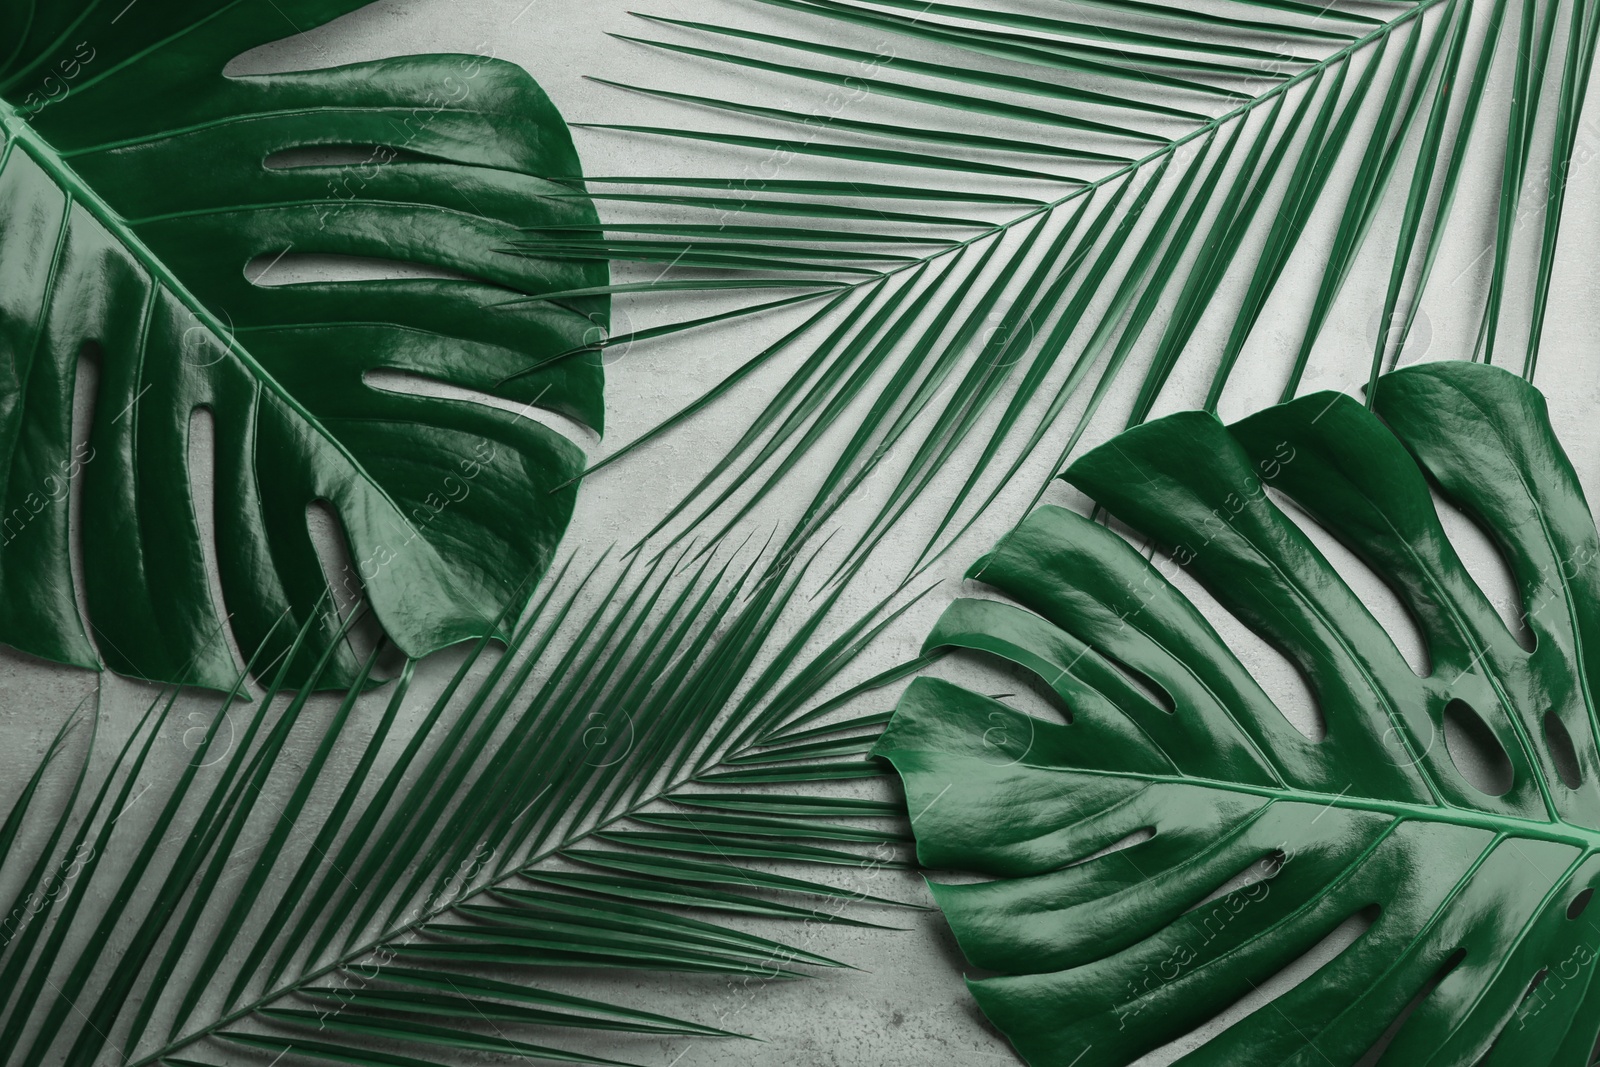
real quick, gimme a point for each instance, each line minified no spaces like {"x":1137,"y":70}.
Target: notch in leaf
{"x":1120,"y":909}
{"x":137,"y":182}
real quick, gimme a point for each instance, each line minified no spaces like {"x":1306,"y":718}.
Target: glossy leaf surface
{"x":137,"y":183}
{"x":1237,"y":844}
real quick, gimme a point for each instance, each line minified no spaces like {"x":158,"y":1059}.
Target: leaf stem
{"x":1590,"y":841}
{"x":43,"y":153}
{"x":386,"y":937}
{"x":1171,"y":146}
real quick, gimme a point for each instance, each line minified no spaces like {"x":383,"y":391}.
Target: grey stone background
{"x":907,"y":1004}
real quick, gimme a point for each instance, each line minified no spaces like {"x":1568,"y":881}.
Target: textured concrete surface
{"x":907,"y":1004}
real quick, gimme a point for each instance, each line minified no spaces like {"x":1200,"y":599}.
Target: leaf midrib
{"x":1556,"y":831}
{"x":386,"y":937}
{"x":21,"y":135}
{"x":1089,"y":188}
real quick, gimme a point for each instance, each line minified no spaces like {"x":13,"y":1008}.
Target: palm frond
{"x":1143,"y":170}
{"x":641,"y":765}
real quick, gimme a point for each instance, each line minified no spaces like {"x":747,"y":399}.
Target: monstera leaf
{"x":1229,"y":844}
{"x":137,"y":183}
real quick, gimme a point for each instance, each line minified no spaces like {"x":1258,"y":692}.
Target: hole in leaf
{"x":342,"y":574}
{"x":1375,"y":1053}
{"x":1024,"y":691}
{"x":85,"y":395}
{"x":341,"y":155}
{"x":1562,"y":752}
{"x":1314,"y":959}
{"x":1263,"y":869}
{"x":1277,"y":675}
{"x":1579,"y":903}
{"x":1003,"y":680}
{"x":1487,"y":566}
{"x":1475,"y":751}
{"x":1138,"y":837}
{"x":416,"y":385}
{"x":1147,"y":686}
{"x":275,"y":269}
{"x":1521,"y":1015}
{"x":1368,"y":586}
{"x":203,"y":498}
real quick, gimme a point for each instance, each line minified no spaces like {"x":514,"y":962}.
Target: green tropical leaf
{"x":1174,"y":848}
{"x":1129,"y":177}
{"x":430,"y":877}
{"x":126,"y":297}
